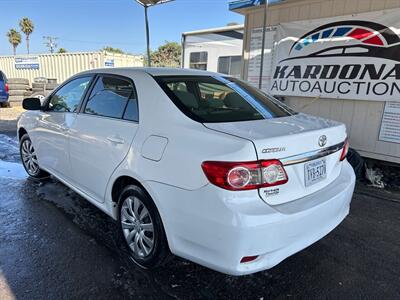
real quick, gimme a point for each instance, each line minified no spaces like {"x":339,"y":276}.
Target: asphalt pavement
{"x":56,"y":245}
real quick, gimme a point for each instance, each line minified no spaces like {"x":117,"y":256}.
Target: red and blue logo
{"x":349,"y":38}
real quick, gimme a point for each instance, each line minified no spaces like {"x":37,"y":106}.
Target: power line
{"x":50,"y":42}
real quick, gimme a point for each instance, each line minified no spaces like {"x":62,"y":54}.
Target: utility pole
{"x":146,"y":4}
{"x":263,"y":43}
{"x":50,"y":43}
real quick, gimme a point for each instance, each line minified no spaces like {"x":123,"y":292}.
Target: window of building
{"x":198,"y":60}
{"x":230,"y":65}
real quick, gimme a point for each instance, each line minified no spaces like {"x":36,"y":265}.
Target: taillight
{"x":245,"y":175}
{"x":344,"y":150}
{"x":7,"y":88}
{"x":247,"y":259}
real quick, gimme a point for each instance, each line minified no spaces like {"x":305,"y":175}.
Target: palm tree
{"x":27,"y":27}
{"x":14,"y":37}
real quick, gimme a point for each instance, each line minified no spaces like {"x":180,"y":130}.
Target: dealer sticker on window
{"x":314,"y":171}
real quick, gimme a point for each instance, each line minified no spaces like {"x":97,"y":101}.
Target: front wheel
{"x":141,"y":228}
{"x":29,"y":158}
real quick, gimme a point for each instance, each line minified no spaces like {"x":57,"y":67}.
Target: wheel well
{"x":21,"y":132}
{"x":122,"y":182}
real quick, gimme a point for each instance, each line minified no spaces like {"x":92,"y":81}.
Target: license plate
{"x":314,"y":171}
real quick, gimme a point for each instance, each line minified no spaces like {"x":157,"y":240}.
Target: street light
{"x":146,"y":4}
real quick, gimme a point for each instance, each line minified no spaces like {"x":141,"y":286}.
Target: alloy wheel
{"x":137,"y":227}
{"x":29,"y":158}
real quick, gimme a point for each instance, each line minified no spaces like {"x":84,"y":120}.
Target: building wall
{"x":216,"y":43}
{"x":62,"y":66}
{"x":362,"y":118}
{"x":214,"y":52}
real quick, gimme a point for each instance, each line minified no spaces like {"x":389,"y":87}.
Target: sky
{"x":86,"y":25}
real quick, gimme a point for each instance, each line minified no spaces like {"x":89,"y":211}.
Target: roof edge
{"x":216,"y":29}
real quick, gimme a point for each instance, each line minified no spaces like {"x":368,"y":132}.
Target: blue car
{"x":3,"y":90}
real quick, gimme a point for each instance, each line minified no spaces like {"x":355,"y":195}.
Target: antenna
{"x":50,"y":42}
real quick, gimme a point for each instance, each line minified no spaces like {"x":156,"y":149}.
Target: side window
{"x":68,"y":97}
{"x":198,"y":60}
{"x":114,"y":98}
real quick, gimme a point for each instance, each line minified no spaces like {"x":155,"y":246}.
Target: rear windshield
{"x":1,"y":76}
{"x":216,"y":99}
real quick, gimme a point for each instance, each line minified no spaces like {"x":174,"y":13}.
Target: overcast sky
{"x":84,"y":25}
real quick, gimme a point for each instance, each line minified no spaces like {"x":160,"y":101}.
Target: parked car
{"x":3,"y":90}
{"x":198,"y":164}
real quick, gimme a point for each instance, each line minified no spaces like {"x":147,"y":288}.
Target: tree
{"x":27,"y":27}
{"x":14,"y":37}
{"x":167,"y":55}
{"x":112,"y":50}
{"x":62,"y":50}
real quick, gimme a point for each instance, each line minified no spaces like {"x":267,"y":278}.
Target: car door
{"x":50,"y":137}
{"x":102,"y":133}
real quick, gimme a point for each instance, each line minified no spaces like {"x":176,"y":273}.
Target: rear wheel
{"x":29,"y":158}
{"x":141,"y":228}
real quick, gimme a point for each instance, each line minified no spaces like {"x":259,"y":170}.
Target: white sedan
{"x":193,"y":163}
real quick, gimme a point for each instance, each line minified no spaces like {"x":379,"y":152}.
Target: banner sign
{"x":350,"y":57}
{"x":390,"y":126}
{"x":109,"y":63}
{"x":31,"y":63}
{"x":254,"y":62}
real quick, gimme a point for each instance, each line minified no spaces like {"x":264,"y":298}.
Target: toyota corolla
{"x":192,"y":163}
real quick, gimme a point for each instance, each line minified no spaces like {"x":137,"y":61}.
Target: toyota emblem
{"x":322,"y":140}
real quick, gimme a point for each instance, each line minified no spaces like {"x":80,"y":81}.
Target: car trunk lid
{"x":308,"y":146}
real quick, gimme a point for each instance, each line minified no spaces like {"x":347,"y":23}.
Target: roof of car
{"x":154,"y":71}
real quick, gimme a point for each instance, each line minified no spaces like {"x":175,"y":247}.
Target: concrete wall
{"x":362,"y":118}
{"x":62,"y":66}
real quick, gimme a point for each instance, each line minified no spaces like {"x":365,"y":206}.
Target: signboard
{"x":390,"y":126}
{"x":109,"y":63}
{"x":31,"y":63}
{"x":249,"y":3}
{"x":253,"y":71}
{"x":244,"y":3}
{"x":350,"y":57}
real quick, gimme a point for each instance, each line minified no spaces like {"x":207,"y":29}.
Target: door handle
{"x":116,"y":140}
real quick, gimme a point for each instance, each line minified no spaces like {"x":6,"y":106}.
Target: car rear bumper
{"x":217,"y":228}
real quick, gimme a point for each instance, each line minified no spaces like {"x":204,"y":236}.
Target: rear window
{"x":210,"y":99}
{"x":1,"y":76}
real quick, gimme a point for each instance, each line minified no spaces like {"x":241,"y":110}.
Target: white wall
{"x":216,"y":46}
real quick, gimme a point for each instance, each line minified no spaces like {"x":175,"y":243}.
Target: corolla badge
{"x":322,"y":140}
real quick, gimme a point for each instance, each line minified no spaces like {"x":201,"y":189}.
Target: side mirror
{"x":32,"y":104}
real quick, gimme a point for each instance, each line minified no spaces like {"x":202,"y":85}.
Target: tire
{"x":51,"y":86}
{"x":18,"y":81}
{"x":357,"y":162}
{"x":41,"y":95}
{"x":38,"y":85}
{"x":29,"y":159}
{"x":16,"y":93}
{"x":147,"y":255}
{"x":5,"y":104}
{"x":15,"y":98}
{"x":18,"y":87}
{"x":52,"y":80}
